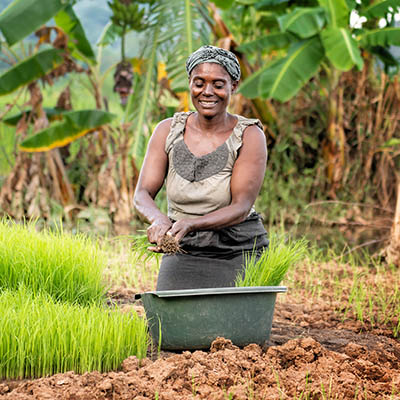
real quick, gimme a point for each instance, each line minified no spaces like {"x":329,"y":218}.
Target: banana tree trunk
{"x":393,"y":250}
{"x":335,"y":143}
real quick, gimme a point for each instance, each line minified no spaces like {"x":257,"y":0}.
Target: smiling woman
{"x":213,"y":165}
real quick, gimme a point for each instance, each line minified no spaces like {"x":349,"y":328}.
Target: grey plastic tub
{"x":192,"y":319}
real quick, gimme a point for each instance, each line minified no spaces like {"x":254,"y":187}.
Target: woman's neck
{"x":215,"y":123}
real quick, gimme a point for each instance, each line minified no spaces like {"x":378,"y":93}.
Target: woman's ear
{"x":234,"y":86}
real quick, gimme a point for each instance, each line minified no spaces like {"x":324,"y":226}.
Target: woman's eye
{"x":219,"y":85}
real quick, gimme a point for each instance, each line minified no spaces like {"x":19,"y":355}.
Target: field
{"x":334,"y":336}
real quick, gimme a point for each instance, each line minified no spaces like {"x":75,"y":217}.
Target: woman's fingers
{"x":155,"y":249}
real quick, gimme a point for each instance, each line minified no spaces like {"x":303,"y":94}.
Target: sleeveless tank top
{"x":199,"y":185}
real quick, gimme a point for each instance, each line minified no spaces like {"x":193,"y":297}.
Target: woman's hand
{"x":181,"y":228}
{"x":156,"y":231}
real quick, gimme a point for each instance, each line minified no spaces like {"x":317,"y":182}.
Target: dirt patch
{"x":311,"y":354}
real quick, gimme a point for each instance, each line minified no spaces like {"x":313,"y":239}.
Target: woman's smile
{"x":208,"y":103}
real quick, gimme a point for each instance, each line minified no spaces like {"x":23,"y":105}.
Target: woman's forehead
{"x":210,"y":69}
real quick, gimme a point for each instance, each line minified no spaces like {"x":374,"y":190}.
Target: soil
{"x":169,"y":245}
{"x":312,"y":354}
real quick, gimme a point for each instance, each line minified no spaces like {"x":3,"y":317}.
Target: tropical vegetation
{"x":322,"y":76}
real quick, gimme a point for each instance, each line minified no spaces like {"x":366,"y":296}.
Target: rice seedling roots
{"x":169,"y":245}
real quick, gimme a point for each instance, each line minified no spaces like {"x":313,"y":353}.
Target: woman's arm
{"x":247,"y":177}
{"x":151,"y":179}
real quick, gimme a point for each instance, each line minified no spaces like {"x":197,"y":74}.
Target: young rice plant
{"x":271,"y":267}
{"x":68,"y":267}
{"x":40,"y":336}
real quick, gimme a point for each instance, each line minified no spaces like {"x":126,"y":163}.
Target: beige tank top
{"x":199,"y":185}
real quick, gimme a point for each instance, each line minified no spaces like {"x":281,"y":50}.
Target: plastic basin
{"x":192,"y":319}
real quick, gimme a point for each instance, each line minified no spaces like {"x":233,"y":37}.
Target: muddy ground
{"x":312,"y":354}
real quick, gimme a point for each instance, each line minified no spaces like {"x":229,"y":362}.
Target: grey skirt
{"x":213,"y":258}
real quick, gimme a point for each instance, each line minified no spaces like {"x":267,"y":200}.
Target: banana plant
{"x":310,"y":38}
{"x":313,"y":37}
{"x":49,"y":59}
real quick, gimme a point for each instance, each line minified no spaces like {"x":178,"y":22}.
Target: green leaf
{"x":272,"y":41}
{"x":267,"y":3}
{"x":381,"y":37}
{"x":74,"y":125}
{"x":250,"y":87}
{"x":284,"y":78}
{"x":22,"y":17}
{"x":224,"y":4}
{"x":379,"y":8}
{"x":341,"y":49}
{"x":67,"y":20}
{"x":51,"y":113}
{"x":109,"y":35}
{"x":246,"y":2}
{"x":29,"y":70}
{"x":338,"y":12}
{"x":392,"y":142}
{"x":304,"y":22}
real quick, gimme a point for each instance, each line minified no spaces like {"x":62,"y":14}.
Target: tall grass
{"x":40,"y":336}
{"x":68,"y":267}
{"x":271,"y":267}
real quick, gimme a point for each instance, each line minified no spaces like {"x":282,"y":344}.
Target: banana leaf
{"x":379,"y":8}
{"x":250,"y":87}
{"x":67,"y":20}
{"x":22,"y":17}
{"x":286,"y":76}
{"x":272,"y":41}
{"x":338,"y":12}
{"x":224,"y":4}
{"x":29,"y":70}
{"x":381,"y":37}
{"x":110,"y":34}
{"x":74,"y":125}
{"x":341,"y":49}
{"x":51,"y":113}
{"x":304,"y":22}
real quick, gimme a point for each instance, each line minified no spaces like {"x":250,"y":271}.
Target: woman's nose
{"x":208,"y":89}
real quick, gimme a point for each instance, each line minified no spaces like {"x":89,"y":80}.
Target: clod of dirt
{"x":169,"y":245}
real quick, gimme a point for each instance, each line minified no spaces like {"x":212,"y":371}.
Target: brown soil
{"x":169,"y":245}
{"x":311,"y":354}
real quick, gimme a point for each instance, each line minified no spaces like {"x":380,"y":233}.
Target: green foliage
{"x":67,"y":267}
{"x":341,"y":49}
{"x":23,"y":17}
{"x":41,"y":337}
{"x":29,"y":70}
{"x":74,"y":124}
{"x":283,"y":79}
{"x":271,"y":267}
{"x":304,"y":22}
{"x":309,"y":25}
{"x":78,"y":43}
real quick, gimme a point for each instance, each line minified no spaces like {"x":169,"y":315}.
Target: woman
{"x":213,"y":164}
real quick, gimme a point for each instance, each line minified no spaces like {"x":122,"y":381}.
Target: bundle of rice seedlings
{"x":68,"y":267}
{"x":40,"y":336}
{"x":273,"y":264}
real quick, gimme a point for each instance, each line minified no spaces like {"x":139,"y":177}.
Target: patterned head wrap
{"x":212,"y":54}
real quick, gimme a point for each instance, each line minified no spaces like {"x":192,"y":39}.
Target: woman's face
{"x":211,"y":87}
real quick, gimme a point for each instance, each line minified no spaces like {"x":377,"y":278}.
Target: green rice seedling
{"x":274,"y":262}
{"x":68,"y":267}
{"x":40,"y":336}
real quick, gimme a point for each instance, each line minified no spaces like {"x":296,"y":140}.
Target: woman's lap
{"x":183,"y":271}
